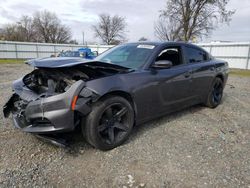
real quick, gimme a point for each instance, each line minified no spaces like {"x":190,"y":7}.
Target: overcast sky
{"x":79,"y":15}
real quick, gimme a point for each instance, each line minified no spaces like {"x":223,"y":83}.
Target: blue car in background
{"x":82,"y":52}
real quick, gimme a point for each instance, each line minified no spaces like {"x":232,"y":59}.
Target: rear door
{"x":202,"y":71}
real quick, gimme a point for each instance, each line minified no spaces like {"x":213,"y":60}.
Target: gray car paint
{"x":153,"y":92}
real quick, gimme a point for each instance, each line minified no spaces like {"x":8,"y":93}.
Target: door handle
{"x":188,"y":74}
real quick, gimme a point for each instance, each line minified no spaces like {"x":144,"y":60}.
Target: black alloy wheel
{"x":109,"y":123}
{"x":113,"y":125}
{"x":215,"y":93}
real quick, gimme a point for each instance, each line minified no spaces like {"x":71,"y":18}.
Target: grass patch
{"x":11,"y":61}
{"x":239,"y":72}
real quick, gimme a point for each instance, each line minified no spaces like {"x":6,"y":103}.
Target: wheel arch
{"x":123,"y":94}
{"x":220,"y":76}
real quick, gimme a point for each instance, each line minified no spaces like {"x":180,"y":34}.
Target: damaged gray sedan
{"x":127,"y":85}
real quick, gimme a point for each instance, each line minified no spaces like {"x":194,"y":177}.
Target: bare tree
{"x":48,"y":28}
{"x":1,"y":34}
{"x":188,"y":19}
{"x":165,"y":31}
{"x":111,"y":30}
{"x":8,"y":32}
{"x":73,"y":41}
{"x":19,"y":31}
{"x":25,"y":29}
{"x":43,"y":27}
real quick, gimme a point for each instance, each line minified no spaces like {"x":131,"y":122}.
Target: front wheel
{"x":109,"y":123}
{"x":215,"y":93}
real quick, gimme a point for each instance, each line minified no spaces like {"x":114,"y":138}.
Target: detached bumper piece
{"x":55,"y":140}
{"x":47,"y":115}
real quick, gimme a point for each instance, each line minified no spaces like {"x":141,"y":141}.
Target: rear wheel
{"x":215,"y":93}
{"x":109,"y":123}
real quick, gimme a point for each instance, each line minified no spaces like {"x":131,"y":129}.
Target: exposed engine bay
{"x":51,"y":78}
{"x":54,"y":81}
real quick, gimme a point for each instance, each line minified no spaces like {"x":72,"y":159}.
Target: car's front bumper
{"x":49,"y":115}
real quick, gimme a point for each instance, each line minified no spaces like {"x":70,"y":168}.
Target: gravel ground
{"x":197,"y":147}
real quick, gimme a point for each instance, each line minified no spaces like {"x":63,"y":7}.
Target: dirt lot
{"x":197,"y":147}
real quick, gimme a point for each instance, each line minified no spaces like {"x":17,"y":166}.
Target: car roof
{"x":164,"y":43}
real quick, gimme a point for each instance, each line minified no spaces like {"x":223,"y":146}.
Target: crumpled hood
{"x":58,"y":62}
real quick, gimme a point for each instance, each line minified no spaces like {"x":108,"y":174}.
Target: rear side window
{"x":195,"y":55}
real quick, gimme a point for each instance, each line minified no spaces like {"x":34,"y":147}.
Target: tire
{"x":109,"y":124}
{"x":215,"y":93}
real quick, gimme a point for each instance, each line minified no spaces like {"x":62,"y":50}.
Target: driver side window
{"x":172,"y":54}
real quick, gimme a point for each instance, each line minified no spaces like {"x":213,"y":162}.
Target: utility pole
{"x":83,"y":41}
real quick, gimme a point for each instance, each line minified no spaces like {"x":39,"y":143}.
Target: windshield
{"x":129,"y":55}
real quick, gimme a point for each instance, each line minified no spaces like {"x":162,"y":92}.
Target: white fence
{"x":236,"y":54}
{"x":28,"y":50}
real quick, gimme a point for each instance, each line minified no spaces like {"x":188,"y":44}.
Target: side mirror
{"x":162,"y":64}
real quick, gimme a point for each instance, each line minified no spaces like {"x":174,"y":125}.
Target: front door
{"x":175,"y":83}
